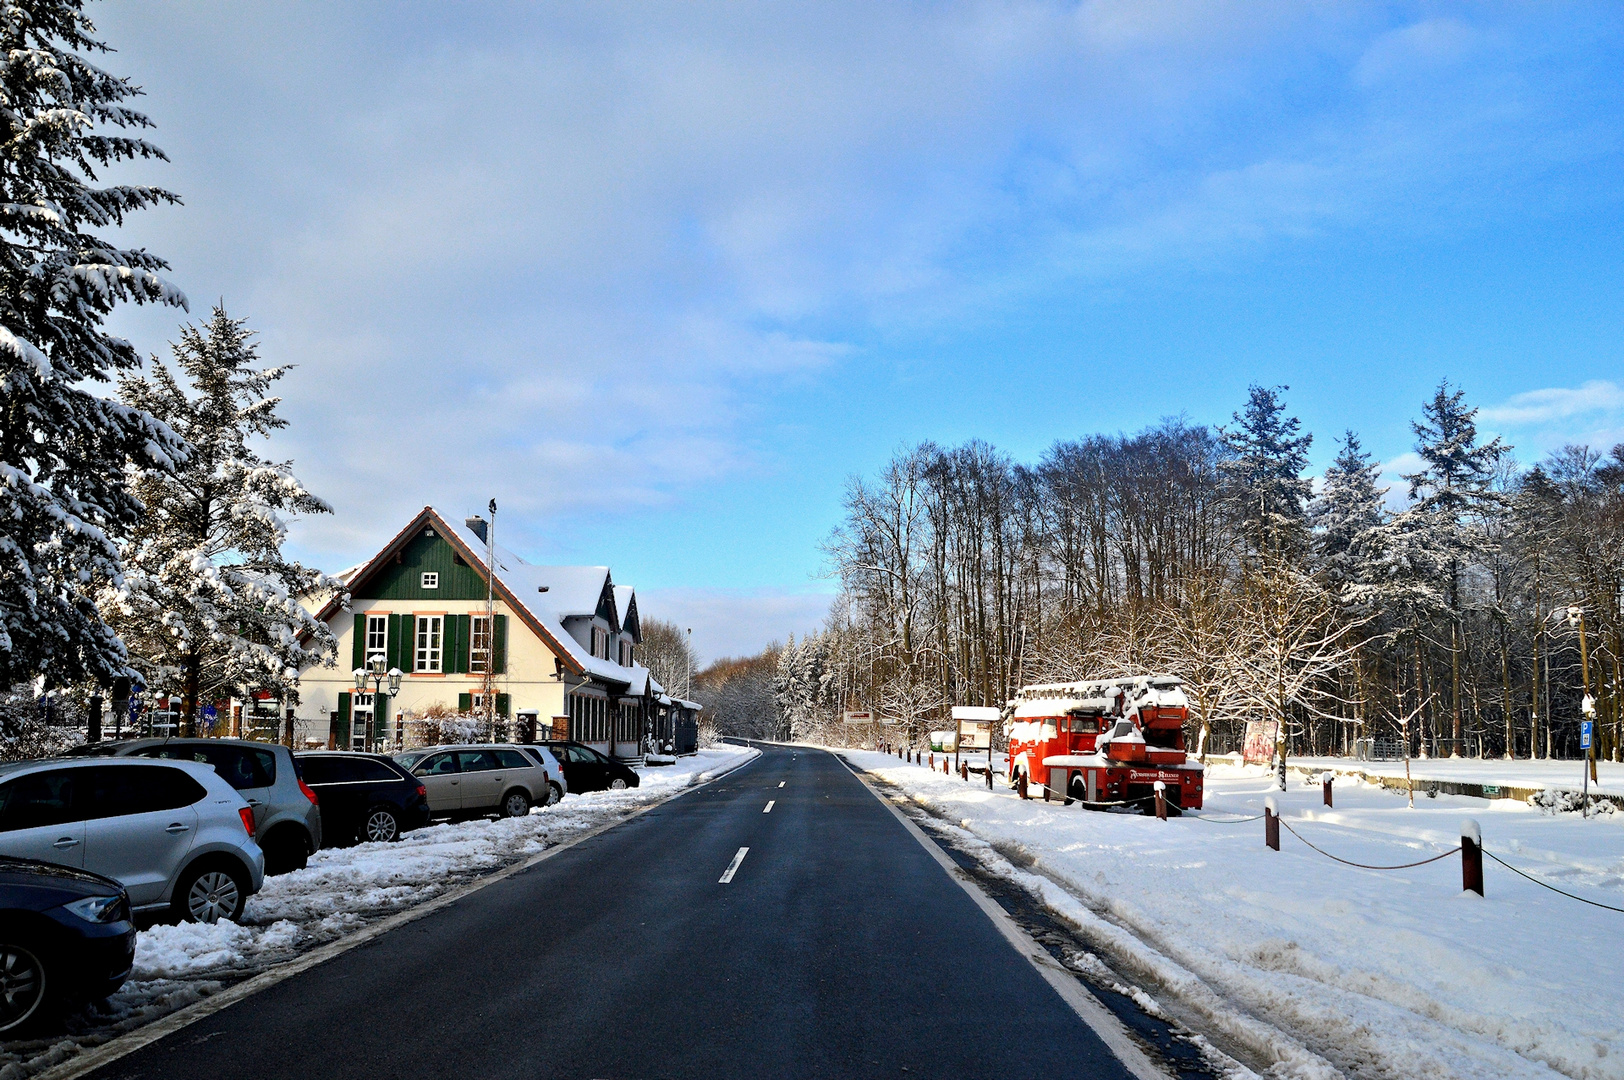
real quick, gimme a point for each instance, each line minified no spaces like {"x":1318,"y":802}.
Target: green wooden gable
{"x":401,"y":577}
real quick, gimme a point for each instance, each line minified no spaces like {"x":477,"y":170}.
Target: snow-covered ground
{"x":1317,"y":969}
{"x":342,"y":890}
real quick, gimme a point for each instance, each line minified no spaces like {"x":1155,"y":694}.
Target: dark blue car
{"x":65,"y":938}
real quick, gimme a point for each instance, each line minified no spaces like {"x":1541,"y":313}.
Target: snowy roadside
{"x":341,"y":891}
{"x":1318,"y":968}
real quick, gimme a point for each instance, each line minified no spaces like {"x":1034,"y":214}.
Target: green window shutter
{"x":499,"y":645}
{"x":358,"y":647}
{"x":344,"y":721}
{"x":448,"y":646}
{"x":465,"y":639}
{"x":394,"y":646}
{"x":465,"y":703}
{"x":408,"y":641}
{"x":502,"y":702}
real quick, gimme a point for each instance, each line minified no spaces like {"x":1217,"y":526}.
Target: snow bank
{"x":342,"y":890}
{"x":1320,"y":968}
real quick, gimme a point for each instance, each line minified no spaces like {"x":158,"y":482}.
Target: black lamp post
{"x":375,"y":672}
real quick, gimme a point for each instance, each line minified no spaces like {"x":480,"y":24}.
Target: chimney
{"x":478,"y":526}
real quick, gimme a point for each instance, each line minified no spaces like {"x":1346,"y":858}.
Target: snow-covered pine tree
{"x":1455,"y":483}
{"x":1351,"y":527}
{"x":63,"y":448}
{"x":1265,"y":473}
{"x":209,"y":603}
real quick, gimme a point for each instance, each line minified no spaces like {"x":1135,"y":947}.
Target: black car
{"x":363,"y":796}
{"x":587,"y":770}
{"x":65,"y":937}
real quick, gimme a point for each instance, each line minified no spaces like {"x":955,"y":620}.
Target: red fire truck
{"x":1106,"y":742}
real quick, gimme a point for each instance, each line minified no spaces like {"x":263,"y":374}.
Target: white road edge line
{"x":769,"y":807}
{"x":110,"y":1051}
{"x":1062,"y":979}
{"x":733,"y":867}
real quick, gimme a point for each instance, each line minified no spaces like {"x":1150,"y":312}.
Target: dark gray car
{"x":286,"y":819}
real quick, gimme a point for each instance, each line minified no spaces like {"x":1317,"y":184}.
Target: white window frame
{"x":429,"y":580}
{"x":360,"y":704}
{"x":600,"y":643}
{"x":377,"y":639}
{"x":477,"y":654}
{"x":626,"y":653}
{"x":428,"y":644}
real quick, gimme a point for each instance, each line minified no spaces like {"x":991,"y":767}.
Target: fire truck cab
{"x":1105,"y":743}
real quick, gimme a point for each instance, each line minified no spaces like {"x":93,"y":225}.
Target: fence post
{"x":1271,"y":823}
{"x":1471,"y":857}
{"x":989,"y":777}
{"x":1161,"y":801}
{"x":1325,"y":782}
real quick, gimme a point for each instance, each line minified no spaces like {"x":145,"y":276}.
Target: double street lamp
{"x":374,"y":671}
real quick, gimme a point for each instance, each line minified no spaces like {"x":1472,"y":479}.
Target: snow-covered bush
{"x":32,"y":726}
{"x":438,"y":723}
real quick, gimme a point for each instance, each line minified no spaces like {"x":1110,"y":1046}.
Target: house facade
{"x":560,"y":643}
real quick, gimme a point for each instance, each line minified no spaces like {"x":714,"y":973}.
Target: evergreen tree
{"x":209,"y":603}
{"x":62,"y":447}
{"x":1456,"y":482}
{"x":1265,"y":473}
{"x":1352,"y":531}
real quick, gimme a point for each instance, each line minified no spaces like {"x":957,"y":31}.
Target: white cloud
{"x":1598,"y":396}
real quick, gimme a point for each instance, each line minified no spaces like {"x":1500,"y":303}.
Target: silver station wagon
{"x":480,"y":780}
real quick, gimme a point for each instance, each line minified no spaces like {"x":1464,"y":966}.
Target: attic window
{"x":431,"y":579}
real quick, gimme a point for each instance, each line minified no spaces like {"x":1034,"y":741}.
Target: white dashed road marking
{"x":769,"y":807}
{"x":780,"y":783}
{"x":733,"y":867}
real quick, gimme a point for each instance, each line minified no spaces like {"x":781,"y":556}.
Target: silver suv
{"x":173,"y":833}
{"x":287,"y":821}
{"x":476,"y":780}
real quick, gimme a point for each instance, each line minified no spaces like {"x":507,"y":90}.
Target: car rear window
{"x":242,"y":767}
{"x":512,"y":759}
{"x":324,"y":770}
{"x":118,"y":790}
{"x":372,"y":769}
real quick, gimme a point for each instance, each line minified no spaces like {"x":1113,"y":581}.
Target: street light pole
{"x":378,"y":676}
{"x":1587,"y":708}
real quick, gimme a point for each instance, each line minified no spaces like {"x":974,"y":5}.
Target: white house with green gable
{"x":562,"y":646}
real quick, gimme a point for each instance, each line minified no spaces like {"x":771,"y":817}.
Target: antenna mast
{"x":488,"y":682}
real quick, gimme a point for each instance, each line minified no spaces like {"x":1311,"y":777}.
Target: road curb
{"x":123,"y":1045}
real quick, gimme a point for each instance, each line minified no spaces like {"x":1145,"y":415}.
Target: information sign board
{"x":1260,"y":739}
{"x":856,"y":716}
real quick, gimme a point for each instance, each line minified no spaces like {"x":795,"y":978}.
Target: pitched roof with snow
{"x":543,"y":597}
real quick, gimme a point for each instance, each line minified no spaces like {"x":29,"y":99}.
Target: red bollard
{"x":964,"y":772}
{"x":1471,"y":857}
{"x":1325,"y":782}
{"x":1271,"y":823}
{"x":1020,"y":785}
{"x":933,"y":761}
{"x":1161,"y":801}
{"x":945,"y":769}
{"x":989,"y":777}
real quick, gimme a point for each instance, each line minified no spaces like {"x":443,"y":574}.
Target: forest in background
{"x":1438,"y":614}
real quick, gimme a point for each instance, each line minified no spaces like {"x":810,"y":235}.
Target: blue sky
{"x":659,"y":278}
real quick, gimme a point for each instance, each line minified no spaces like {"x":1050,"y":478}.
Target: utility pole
{"x":487,"y":684}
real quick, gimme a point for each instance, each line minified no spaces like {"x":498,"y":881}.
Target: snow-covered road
{"x":1321,"y":969}
{"x":342,"y":890}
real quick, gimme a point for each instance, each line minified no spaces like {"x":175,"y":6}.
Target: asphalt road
{"x":839,"y":948}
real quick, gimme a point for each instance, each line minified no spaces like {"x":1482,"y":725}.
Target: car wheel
{"x":286,"y":850}
{"x":23,"y":987}
{"x":381,"y":826}
{"x":617,"y":784}
{"x":555,"y":794}
{"x":209,"y":893}
{"x":515,"y":803}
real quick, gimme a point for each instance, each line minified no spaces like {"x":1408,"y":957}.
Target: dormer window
{"x":600,"y":643}
{"x":431,"y":579}
{"x":625,"y":653}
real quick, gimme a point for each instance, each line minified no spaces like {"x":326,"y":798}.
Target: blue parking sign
{"x":1585,"y":728}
